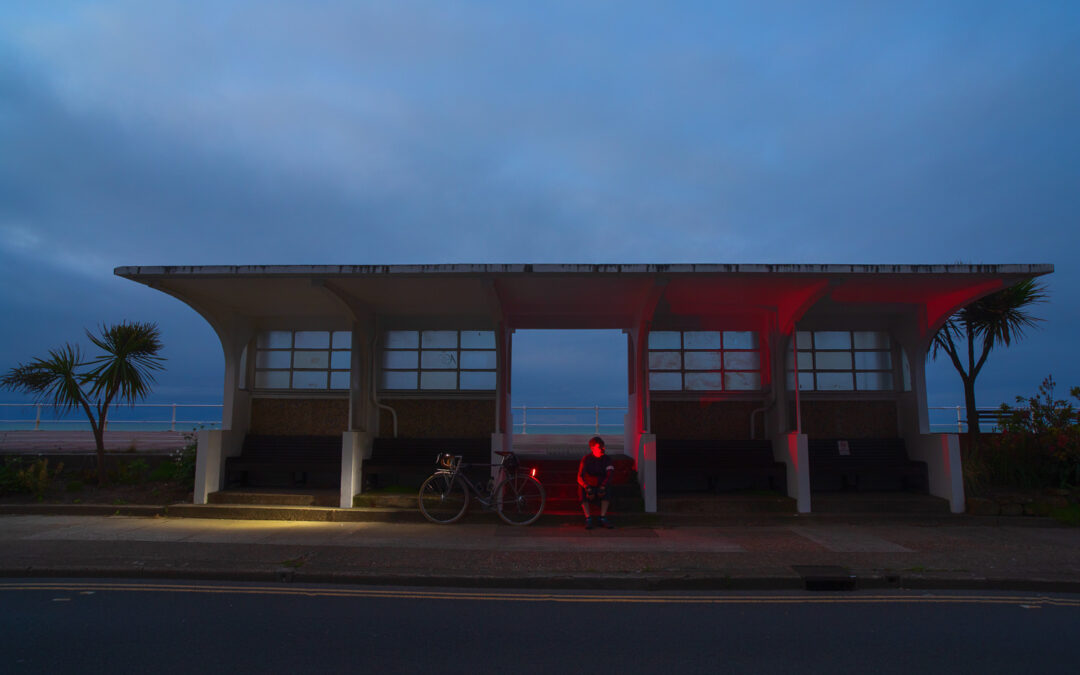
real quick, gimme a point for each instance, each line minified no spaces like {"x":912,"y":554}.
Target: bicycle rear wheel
{"x":443,"y":498}
{"x":519,"y":499}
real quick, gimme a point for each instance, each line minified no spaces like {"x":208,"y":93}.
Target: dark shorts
{"x":596,"y":498}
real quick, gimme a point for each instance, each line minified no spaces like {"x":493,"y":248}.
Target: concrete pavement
{"x":766,"y":552}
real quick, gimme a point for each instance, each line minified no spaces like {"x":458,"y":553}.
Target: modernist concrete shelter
{"x":424,"y":351}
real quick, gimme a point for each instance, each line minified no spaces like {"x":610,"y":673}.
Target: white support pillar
{"x":941,"y":452}
{"x":502,"y":438}
{"x":791,"y":449}
{"x":647,"y":471}
{"x":355,"y":448}
{"x":214,"y":445}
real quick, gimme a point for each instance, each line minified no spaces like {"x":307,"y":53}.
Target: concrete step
{"x":271,"y":497}
{"x":878,"y":502}
{"x":729,"y":504}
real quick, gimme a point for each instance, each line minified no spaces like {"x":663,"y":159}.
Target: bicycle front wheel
{"x":443,"y":498}
{"x":519,"y":499}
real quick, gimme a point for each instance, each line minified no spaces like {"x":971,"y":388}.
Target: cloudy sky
{"x":186,"y":132}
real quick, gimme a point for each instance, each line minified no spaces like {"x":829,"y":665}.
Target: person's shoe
{"x":588,"y":523}
{"x":606,"y":523}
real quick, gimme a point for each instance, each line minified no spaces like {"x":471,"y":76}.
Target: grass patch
{"x":1068,"y":515}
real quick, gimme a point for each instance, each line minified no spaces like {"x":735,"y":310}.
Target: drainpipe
{"x":374,"y":379}
{"x":755,"y":411}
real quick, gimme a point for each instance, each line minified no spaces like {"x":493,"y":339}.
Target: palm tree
{"x":997,"y":319}
{"x":122,"y":372}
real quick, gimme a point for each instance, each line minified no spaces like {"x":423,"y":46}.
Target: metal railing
{"x":50,"y":416}
{"x":957,"y":415}
{"x":574,"y":419}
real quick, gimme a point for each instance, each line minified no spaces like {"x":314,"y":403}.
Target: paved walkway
{"x":1023,"y":554}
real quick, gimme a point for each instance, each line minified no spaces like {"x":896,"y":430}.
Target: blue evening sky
{"x":189,"y":132}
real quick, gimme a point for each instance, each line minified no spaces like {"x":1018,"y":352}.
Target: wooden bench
{"x":413,"y":458}
{"x":700,"y":465}
{"x":865,"y":464}
{"x":292,"y":460}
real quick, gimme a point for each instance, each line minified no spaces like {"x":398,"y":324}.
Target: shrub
{"x":74,"y":486}
{"x":1039,"y":444}
{"x":37,"y":477}
{"x":132,"y":472}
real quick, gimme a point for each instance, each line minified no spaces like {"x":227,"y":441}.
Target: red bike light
{"x":533,"y":473}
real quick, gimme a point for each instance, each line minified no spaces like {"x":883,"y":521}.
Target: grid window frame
{"x":428,"y":360}
{"x":702,"y":361}
{"x":298,"y":360}
{"x":823,"y":354}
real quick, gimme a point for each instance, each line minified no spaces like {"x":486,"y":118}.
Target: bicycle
{"x":517,"y":496}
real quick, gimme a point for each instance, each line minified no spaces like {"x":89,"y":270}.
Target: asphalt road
{"x":49,"y":626}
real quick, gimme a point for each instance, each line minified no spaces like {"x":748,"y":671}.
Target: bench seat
{"x":415,"y":457}
{"x":871,"y":464}
{"x":700,"y":465}
{"x":292,"y":460}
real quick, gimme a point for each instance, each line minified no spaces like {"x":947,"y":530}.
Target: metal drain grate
{"x":826,"y":577}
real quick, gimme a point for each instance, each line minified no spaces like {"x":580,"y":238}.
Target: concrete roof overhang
{"x":573,"y":296}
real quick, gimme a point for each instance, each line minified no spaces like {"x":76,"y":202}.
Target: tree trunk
{"x":99,"y":440}
{"x":972,"y":414}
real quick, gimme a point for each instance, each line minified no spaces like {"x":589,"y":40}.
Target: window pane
{"x":906,"y":370}
{"x":804,"y":339}
{"x":664,"y":361}
{"x":402,"y":339}
{"x":806,"y":381}
{"x":398,"y":380}
{"x":664,"y":339}
{"x":275,"y":339}
{"x":874,"y":381}
{"x":312,"y":339}
{"x":832,"y":339}
{"x":439,"y":338}
{"x":806,"y":360}
{"x":740,"y":339}
{"x":308,"y":380}
{"x":478,"y":339}
{"x":742,"y":381}
{"x":272,"y":359}
{"x":702,"y":360}
{"x":272,"y":379}
{"x":481,"y":360}
{"x":833,"y":360}
{"x":873,"y":361}
{"x":704,"y":381}
{"x":701,"y":339}
{"x":339,"y":379}
{"x":834,"y":382}
{"x":742,"y":361}
{"x":311,"y":360}
{"x":402,"y":359}
{"x":477,"y":380}
{"x":438,"y":380}
{"x":665,"y":381}
{"x":438,"y":359}
{"x":342,"y":339}
{"x":340,"y":360}
{"x":871,"y":340}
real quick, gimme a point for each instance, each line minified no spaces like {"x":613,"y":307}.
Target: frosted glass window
{"x":835,"y":382}
{"x":832,"y":339}
{"x":703,"y":361}
{"x":477,"y":339}
{"x":439,"y":338}
{"x":342,"y":339}
{"x":833,"y":360}
{"x":339,"y":379}
{"x":312,"y":339}
{"x":873,"y":361}
{"x":396,"y":359}
{"x":340,"y":360}
{"x":806,"y":381}
{"x":478,"y":360}
{"x":742,"y":381}
{"x":906,"y":368}
{"x":740,"y":339}
{"x":742,"y":361}
{"x":272,"y":379}
{"x":871,"y":340}
{"x":477,"y":380}
{"x":804,"y":339}
{"x":402,"y":339}
{"x":281,"y":359}
{"x":438,"y":359}
{"x":302,"y":379}
{"x":702,"y":340}
{"x":438,"y":380}
{"x":274,"y":339}
{"x":874,"y":381}
{"x":665,"y":339}
{"x":664,"y":361}
{"x":662,"y":381}
{"x":311,"y":360}
{"x":704,"y":381}
{"x":806,"y":360}
{"x":396,"y":379}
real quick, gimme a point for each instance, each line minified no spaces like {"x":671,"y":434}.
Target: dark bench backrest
{"x":861,"y":450}
{"x":294,"y":448}
{"x":698,"y":451}
{"x":422,"y":451}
